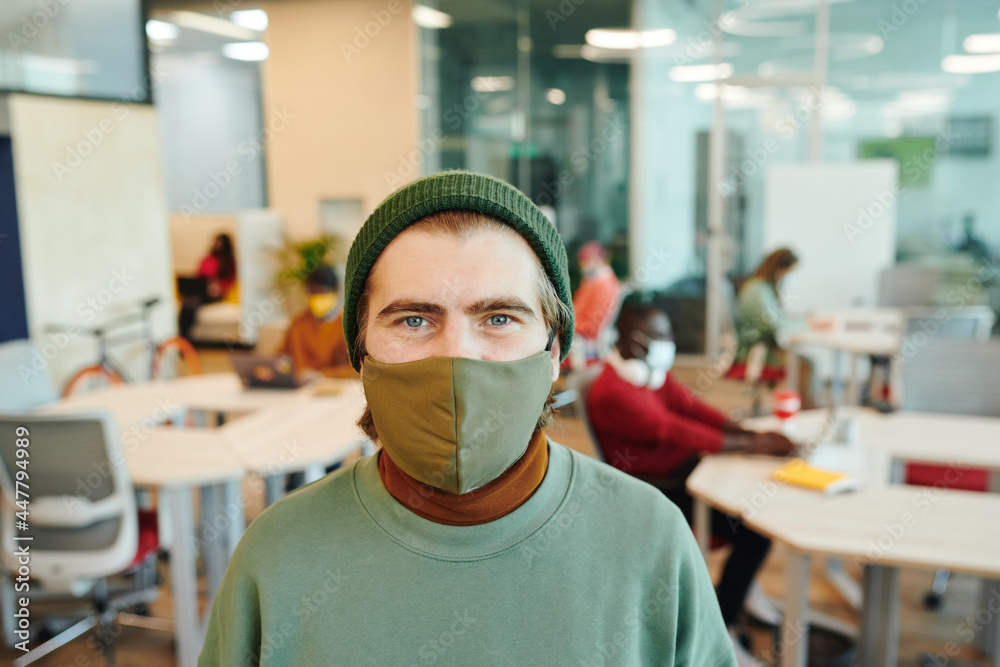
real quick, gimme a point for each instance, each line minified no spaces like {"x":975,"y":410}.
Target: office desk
{"x":304,"y":436}
{"x":852,"y":343}
{"x":879,"y":529}
{"x":909,"y":437}
{"x":279,"y":431}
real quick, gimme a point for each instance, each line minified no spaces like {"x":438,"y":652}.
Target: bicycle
{"x":171,"y":357}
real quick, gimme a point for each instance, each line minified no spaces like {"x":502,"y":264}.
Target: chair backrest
{"x":608,"y":335}
{"x":581,"y":382}
{"x":966,"y":322}
{"x":82,"y":515}
{"x":954,"y":376}
{"x":908,"y":285}
{"x":26,"y":384}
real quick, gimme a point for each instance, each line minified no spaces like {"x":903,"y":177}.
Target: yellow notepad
{"x":800,"y":473}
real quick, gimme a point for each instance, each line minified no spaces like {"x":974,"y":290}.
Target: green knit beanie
{"x":446,"y":191}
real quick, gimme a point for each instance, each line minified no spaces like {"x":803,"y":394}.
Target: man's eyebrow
{"x":409,"y":306}
{"x":501,"y":303}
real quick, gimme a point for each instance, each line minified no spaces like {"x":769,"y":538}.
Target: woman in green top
{"x":759,"y":316}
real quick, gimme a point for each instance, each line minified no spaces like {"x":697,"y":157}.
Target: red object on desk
{"x":786,"y":403}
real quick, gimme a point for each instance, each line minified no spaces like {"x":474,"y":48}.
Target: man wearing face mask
{"x":315,"y":338}
{"x":649,"y":425}
{"x":470,"y":538}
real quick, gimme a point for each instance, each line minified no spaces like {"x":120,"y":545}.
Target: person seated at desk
{"x":218,"y":268}
{"x":315,"y":338}
{"x":760,"y":316}
{"x":649,"y":425}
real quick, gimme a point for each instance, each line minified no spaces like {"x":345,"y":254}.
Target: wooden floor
{"x":922,"y":630}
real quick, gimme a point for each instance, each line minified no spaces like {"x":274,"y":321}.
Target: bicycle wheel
{"x":91,"y":378}
{"x":175,"y":357}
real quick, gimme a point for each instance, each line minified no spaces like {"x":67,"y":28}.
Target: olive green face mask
{"x":457,"y":423}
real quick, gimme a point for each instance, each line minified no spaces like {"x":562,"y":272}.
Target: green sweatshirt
{"x":596,"y":568}
{"x":758,"y":317}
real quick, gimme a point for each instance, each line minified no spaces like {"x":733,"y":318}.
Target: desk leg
{"x":232,"y":495}
{"x":987,"y":638}
{"x":792,"y":370}
{"x":897,"y":471}
{"x":274,"y":488}
{"x":879,"y":643}
{"x":7,"y":608}
{"x":837,"y":380}
{"x":852,"y":397}
{"x":795,"y":627}
{"x":213,"y":538}
{"x":184,"y":577}
{"x":313,"y":473}
{"x":702,"y":526}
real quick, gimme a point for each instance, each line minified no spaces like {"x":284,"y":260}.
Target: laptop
{"x":257,"y":372}
{"x":193,"y":286}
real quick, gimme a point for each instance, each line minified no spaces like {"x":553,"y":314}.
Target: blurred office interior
{"x":689,"y":137}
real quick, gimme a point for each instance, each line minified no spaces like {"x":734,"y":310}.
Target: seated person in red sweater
{"x":649,"y":425}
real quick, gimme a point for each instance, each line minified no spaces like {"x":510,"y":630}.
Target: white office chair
{"x":27,"y":384}
{"x":82,"y":518}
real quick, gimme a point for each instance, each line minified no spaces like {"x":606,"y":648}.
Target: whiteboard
{"x":840,"y":220}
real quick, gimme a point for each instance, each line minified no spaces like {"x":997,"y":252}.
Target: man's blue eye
{"x":499,"y":320}
{"x":414,"y":321}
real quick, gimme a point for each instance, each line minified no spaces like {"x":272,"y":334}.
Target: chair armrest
{"x":73,"y":511}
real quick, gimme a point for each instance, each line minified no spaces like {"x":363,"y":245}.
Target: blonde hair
{"x":462,"y":224}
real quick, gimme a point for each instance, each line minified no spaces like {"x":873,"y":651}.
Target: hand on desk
{"x":751,"y":442}
{"x":771,"y":444}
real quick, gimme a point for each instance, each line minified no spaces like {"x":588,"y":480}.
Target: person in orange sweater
{"x":315,"y":339}
{"x":597,"y":295}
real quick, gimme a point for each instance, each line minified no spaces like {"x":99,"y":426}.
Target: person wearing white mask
{"x":650,"y":426}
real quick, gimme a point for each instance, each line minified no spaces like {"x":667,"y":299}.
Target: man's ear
{"x":554,"y":352}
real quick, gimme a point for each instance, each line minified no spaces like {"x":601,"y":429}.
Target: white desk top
{"x":181,"y":456}
{"x":287,"y":430}
{"x":896,"y":525}
{"x":145,"y":404}
{"x":857,"y":342}
{"x":924,"y":437}
{"x":292,"y":437}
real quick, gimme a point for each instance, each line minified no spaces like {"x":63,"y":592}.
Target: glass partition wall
{"x":652,"y":126}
